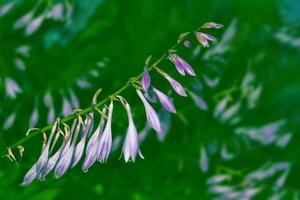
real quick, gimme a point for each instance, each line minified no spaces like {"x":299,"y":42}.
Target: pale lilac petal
{"x":105,"y":143}
{"x":23,"y":50}
{"x":64,"y":162}
{"x":284,"y":140}
{"x":187,"y":44}
{"x":34,"y":117}
{"x":88,"y":126}
{"x":48,"y":100}
{"x":24,"y":20}
{"x":74,"y":99}
{"x":10,"y":120}
{"x":131,"y":144}
{"x":176,"y":86}
{"x":67,"y":108}
{"x":19,"y":63}
{"x":212,"y":25}
{"x":203,"y":161}
{"x":83,"y":83}
{"x":12,"y":88}
{"x":178,"y":66}
{"x":200,"y":103}
{"x":51,"y":115}
{"x":57,"y":12}
{"x":165,"y":101}
{"x":6,"y":8}
{"x":30,"y":176}
{"x":204,"y":39}
{"x":146,"y":80}
{"x":34,"y":25}
{"x":220,"y":107}
{"x":151,"y":115}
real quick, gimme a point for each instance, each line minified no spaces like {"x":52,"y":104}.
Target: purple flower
{"x":12,"y":88}
{"x":131,"y":143}
{"x":187,"y":44}
{"x":204,"y":38}
{"x":212,"y":25}
{"x":24,"y":20}
{"x":151,"y":115}
{"x":30,"y":176}
{"x":34,"y":117}
{"x":203,"y":160}
{"x":176,"y":86}
{"x":200,"y":103}
{"x":165,"y":101}
{"x":34,"y":25}
{"x":92,"y":146}
{"x":67,"y":154}
{"x":6,"y":8}
{"x":105,"y":143}
{"x":88,"y":126}
{"x":181,"y":65}
{"x":67,"y":108}
{"x":146,"y":80}
{"x":43,"y":159}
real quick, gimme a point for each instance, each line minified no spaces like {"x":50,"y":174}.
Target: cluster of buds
{"x":97,"y":144}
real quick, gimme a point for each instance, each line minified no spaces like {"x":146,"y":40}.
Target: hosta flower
{"x":24,"y":20}
{"x":34,"y":25}
{"x":181,"y":65}
{"x":12,"y":88}
{"x":165,"y":101}
{"x":88,"y":126}
{"x":34,"y":117}
{"x":106,"y":138}
{"x":67,"y":154}
{"x":6,"y":8}
{"x":146,"y":80}
{"x":176,"y":86}
{"x":204,"y":39}
{"x":187,"y":44}
{"x":151,"y":115}
{"x":212,"y":25}
{"x":131,"y":143}
{"x":37,"y":169}
{"x":203,"y":161}
{"x":93,"y":144}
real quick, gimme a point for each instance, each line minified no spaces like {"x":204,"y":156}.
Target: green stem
{"x":101,"y":103}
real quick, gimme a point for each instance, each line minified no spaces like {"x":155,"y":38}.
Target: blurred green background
{"x":83,"y":45}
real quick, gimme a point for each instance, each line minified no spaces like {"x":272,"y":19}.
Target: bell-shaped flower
{"x":204,"y":39}
{"x":12,"y":88}
{"x":181,"y":65}
{"x":88,"y":126}
{"x":131,"y":144}
{"x":93,"y":143}
{"x":151,"y":115}
{"x":176,"y":86}
{"x":105,"y":142}
{"x":67,"y":154}
{"x":30,"y":176}
{"x":146,"y":80}
{"x":212,"y":25}
{"x":165,"y":101}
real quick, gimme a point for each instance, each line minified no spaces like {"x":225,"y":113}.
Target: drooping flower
{"x":181,"y":65}
{"x":146,"y":80}
{"x":12,"y":88}
{"x":88,"y":126}
{"x":199,"y":101}
{"x":10,"y":120}
{"x":34,"y":25}
{"x":105,"y":143}
{"x":34,"y":116}
{"x":131,"y":144}
{"x":66,"y":107}
{"x":74,"y":99}
{"x":29,"y":176}
{"x":24,"y":20}
{"x":151,"y":115}
{"x":165,"y":101}
{"x":176,"y":86}
{"x":212,"y":25}
{"x":6,"y":8}
{"x":67,"y":154}
{"x":203,"y":160}
{"x":93,"y":143}
{"x":187,"y":44}
{"x":204,"y":39}
{"x":43,"y":159}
